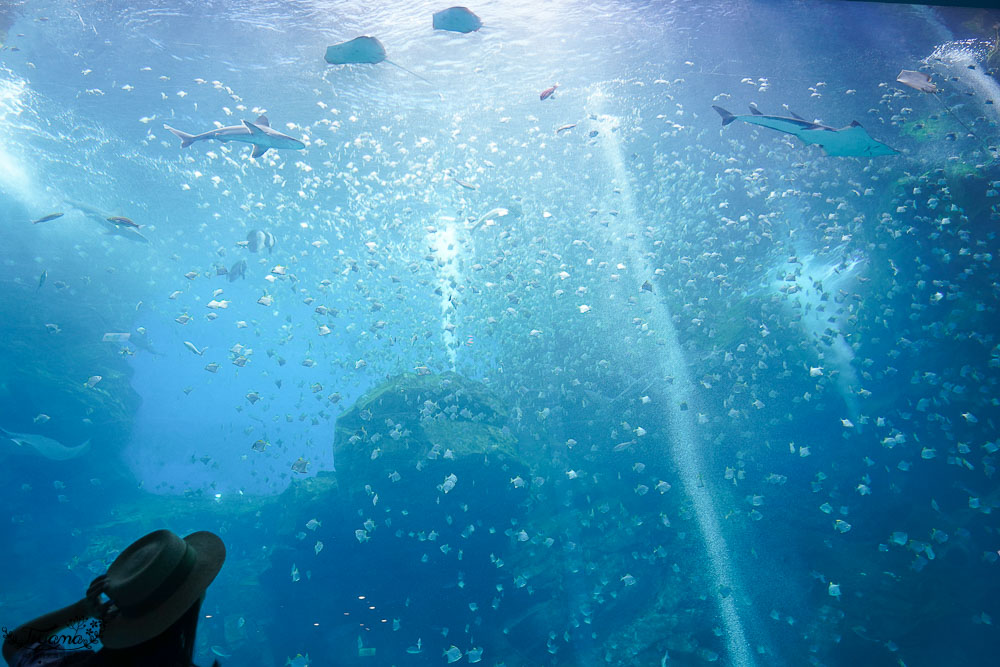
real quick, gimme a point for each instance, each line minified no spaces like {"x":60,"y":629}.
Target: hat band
{"x":166,"y":588}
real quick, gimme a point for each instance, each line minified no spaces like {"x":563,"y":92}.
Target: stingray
{"x":457,"y":19}
{"x":850,"y":141}
{"x":362,"y":49}
{"x":922,"y":81}
{"x":47,"y":447}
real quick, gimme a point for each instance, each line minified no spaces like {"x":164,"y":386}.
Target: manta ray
{"x":852,"y":140}
{"x":259,"y":134}
{"x":47,"y":447}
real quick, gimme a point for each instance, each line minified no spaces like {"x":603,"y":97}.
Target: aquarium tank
{"x":557,"y":333}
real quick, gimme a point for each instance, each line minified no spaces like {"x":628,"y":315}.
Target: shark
{"x":259,"y":134}
{"x":47,"y":447}
{"x":850,"y":141}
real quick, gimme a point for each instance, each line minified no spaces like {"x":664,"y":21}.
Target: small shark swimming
{"x":258,"y":133}
{"x":47,"y":447}
{"x":852,"y":140}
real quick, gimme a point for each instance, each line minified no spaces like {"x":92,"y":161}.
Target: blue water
{"x":751,"y":388}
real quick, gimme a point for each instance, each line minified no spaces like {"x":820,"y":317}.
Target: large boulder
{"x":412,"y":535}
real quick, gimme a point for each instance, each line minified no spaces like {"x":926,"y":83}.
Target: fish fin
{"x":756,"y":112}
{"x":854,"y":123}
{"x":727,"y":117}
{"x":262,"y":120}
{"x":796,"y":116}
{"x":186,"y":139}
{"x":253,"y":128}
{"x":258,"y":151}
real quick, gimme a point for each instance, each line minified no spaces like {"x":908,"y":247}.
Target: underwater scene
{"x":528,"y":333}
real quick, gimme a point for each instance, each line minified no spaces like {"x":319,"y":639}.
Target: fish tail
{"x":186,"y":139}
{"x":727,"y":117}
{"x":409,"y":71}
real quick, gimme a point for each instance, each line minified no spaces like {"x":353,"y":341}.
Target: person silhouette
{"x":148,"y":604}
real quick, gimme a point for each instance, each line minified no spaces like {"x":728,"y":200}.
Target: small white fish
{"x":454,"y":654}
{"x":93,"y":380}
{"x":194,"y":348}
{"x":41,"y":418}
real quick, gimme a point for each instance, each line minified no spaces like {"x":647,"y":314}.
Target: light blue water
{"x":800,"y":348}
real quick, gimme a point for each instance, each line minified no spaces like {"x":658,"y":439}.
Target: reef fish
{"x":257,"y":239}
{"x":239,"y":270}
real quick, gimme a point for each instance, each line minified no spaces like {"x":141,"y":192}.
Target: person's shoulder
{"x":45,"y":655}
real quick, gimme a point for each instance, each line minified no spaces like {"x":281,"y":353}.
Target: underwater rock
{"x":414,"y":420}
{"x":421,"y":502}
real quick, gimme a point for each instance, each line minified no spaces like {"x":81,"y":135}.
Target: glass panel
{"x":555,"y":333}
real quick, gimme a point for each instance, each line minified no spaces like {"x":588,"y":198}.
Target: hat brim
{"x":122,"y":632}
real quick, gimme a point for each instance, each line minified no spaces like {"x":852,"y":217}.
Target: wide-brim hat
{"x":155,"y":580}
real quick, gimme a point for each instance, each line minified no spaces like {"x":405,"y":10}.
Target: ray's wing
{"x":362,"y":49}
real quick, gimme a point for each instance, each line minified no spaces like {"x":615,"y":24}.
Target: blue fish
{"x":852,"y":140}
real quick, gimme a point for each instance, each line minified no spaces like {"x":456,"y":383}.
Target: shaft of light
{"x":683,"y":447}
